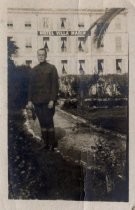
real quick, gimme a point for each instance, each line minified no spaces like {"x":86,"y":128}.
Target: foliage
{"x":110,"y":160}
{"x":102,"y":24}
{"x":18,"y":79}
{"x":24,"y":173}
{"x":12,"y":48}
{"x":38,"y":174}
{"x":94,"y":86}
{"x":18,"y":82}
{"x":72,"y":85}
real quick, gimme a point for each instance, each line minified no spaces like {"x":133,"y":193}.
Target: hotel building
{"x":62,"y":32}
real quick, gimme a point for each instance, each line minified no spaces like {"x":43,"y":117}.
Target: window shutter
{"x":63,"y":45}
{"x":100,"y":65}
{"x":118,"y":65}
{"x":81,"y":68}
{"x":63,"y":70}
{"x":80,"y":46}
{"x":62,"y":24}
{"x":46,"y":46}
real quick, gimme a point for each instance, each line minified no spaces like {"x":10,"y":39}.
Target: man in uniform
{"x":43,"y":91}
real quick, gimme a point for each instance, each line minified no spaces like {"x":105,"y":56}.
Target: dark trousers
{"x":45,"y":115}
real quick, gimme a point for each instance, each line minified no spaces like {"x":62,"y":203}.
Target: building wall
{"x":33,"y":29}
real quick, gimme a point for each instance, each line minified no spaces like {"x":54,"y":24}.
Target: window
{"x":46,"y":40}
{"x":45,"y":22}
{"x":118,"y":43}
{"x":28,"y":43}
{"x":100,"y":64}
{"x":102,"y":43}
{"x":63,"y":22}
{"x":28,"y":63}
{"x":10,"y":38}
{"x":64,"y":66}
{"x":81,"y":21}
{"x":81,"y":44}
{"x":28,"y":24}
{"x":63,"y":44}
{"x":10,"y":24}
{"x":118,"y":23}
{"x":118,"y":65}
{"x":81,"y":25}
{"x":81,"y":66}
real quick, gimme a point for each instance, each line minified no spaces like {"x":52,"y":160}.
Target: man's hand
{"x":50,"y":104}
{"x":29,"y":105}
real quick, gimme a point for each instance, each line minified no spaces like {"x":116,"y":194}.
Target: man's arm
{"x":55,"y":87}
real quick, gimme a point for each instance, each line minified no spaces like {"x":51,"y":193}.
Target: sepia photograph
{"x":67,"y":104}
{"x":68,"y":97}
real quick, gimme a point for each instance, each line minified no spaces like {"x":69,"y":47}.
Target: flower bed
{"x":94,"y":86}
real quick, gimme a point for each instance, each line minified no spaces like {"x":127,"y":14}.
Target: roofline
{"x":50,"y":10}
{"x":57,"y":11}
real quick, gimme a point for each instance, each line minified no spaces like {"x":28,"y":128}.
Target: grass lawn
{"x":115,"y":119}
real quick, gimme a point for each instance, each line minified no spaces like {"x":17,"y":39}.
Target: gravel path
{"x":90,"y":165}
{"x":77,"y":140}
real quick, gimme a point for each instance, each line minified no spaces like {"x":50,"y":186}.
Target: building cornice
{"x":57,"y":11}
{"x":54,"y":11}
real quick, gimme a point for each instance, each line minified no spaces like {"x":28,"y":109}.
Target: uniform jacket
{"x":43,"y":85}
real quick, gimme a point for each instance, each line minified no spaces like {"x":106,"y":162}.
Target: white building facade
{"x":61,"y":33}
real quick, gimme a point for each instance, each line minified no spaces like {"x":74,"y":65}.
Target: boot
{"x":52,"y":140}
{"x":46,"y":140}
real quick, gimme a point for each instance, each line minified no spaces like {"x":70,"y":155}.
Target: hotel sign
{"x":62,"y":33}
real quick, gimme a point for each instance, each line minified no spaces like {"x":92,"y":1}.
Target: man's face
{"x":41,"y":56}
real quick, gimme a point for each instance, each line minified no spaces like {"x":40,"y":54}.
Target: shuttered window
{"x":28,"y":43}
{"x":81,"y":44}
{"x":100,"y":63}
{"x":10,"y":24}
{"x":28,"y":24}
{"x":64,"y":66}
{"x":46,"y":43}
{"x":82,"y":66}
{"x":118,"y":65}
{"x":63,"y":22}
{"x":63,"y":44}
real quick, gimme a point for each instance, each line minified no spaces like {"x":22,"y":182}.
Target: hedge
{"x":111,"y":85}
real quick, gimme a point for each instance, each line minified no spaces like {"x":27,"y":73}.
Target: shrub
{"x":18,"y":81}
{"x":95,"y":86}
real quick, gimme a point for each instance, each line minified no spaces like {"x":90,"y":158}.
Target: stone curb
{"x":98,"y":129}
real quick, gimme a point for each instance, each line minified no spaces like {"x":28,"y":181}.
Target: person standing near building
{"x":43,"y":91}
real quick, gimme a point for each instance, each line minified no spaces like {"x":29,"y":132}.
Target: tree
{"x":102,"y":24}
{"x":12,"y":48}
{"x":18,"y":80}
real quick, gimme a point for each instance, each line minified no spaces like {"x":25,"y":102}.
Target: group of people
{"x":43,"y":91}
